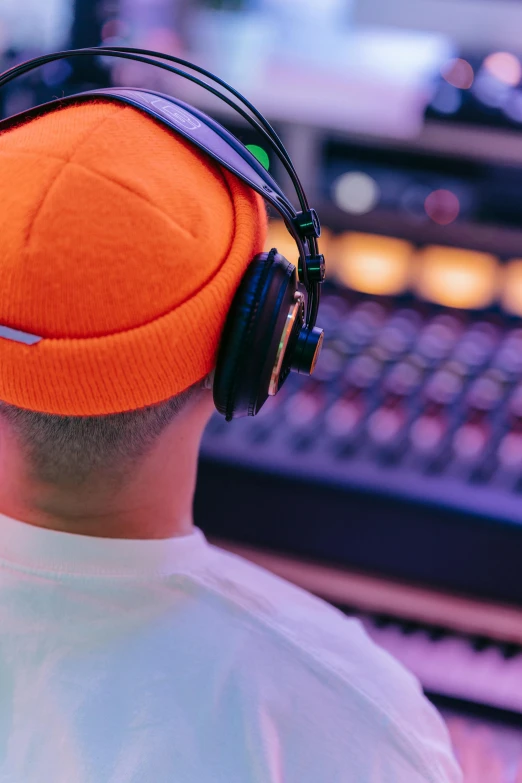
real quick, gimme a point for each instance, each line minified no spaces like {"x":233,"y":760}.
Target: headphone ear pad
{"x":252,"y":333}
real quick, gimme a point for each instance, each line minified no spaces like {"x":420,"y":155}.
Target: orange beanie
{"x":122,"y":247}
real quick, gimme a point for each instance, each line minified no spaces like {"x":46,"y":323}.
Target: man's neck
{"x":154,"y":502}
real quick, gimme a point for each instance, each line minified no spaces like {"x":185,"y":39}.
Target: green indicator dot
{"x":260,"y":154}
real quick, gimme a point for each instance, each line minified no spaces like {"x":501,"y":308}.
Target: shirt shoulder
{"x":304,"y":658}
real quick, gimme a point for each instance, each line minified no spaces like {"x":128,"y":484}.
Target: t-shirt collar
{"x":28,"y":547}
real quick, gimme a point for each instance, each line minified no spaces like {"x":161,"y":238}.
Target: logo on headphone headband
{"x":179,"y":116}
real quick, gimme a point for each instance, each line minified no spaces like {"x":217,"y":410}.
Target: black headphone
{"x":267,"y":333}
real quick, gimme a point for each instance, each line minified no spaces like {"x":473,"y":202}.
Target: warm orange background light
{"x":372,"y":264}
{"x":456,"y":278}
{"x":279,"y":238}
{"x":512,"y":287}
{"x":386,"y":266}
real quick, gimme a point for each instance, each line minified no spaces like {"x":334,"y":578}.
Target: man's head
{"x":121,"y":246}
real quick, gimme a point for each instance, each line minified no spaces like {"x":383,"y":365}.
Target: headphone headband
{"x":304,"y":226}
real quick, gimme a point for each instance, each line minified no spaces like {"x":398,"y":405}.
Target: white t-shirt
{"x":174,"y":661}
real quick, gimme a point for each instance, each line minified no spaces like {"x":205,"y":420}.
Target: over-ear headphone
{"x":270,"y":329}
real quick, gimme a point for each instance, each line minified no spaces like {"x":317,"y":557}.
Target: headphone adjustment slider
{"x":307,"y":224}
{"x":316,"y":268}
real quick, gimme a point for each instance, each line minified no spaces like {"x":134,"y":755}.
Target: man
{"x":131,"y":649}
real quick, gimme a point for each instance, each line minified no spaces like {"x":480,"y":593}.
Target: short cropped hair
{"x":67,"y":450}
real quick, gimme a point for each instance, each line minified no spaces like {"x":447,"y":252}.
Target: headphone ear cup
{"x":252,"y":333}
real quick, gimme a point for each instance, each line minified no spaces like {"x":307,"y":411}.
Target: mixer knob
{"x":477,"y":345}
{"x":385,"y":425}
{"x":344,"y":417}
{"x":438,"y":337}
{"x":509,"y":355}
{"x":398,"y":334}
{"x":404,"y":378}
{"x":364,"y":370}
{"x":393,"y":341}
{"x":427,"y":433}
{"x":509,"y":452}
{"x":444,"y":387}
{"x":361,"y":326}
{"x":487,"y":390}
{"x":303,"y":408}
{"x":470,"y":440}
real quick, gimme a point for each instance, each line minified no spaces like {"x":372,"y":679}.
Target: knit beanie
{"x":121,"y":246}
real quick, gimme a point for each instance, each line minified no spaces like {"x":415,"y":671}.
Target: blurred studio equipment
{"x":390,"y":482}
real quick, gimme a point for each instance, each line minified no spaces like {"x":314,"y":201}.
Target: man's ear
{"x":208,"y":380}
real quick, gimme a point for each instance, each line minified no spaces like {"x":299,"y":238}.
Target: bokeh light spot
{"x":456,"y":277}
{"x":356,"y":192}
{"x":442,"y":206}
{"x":458,"y":73}
{"x":373,"y":264}
{"x":448,"y":99}
{"x":260,"y":154}
{"x":505,"y":67}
